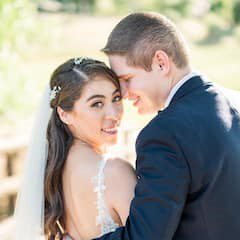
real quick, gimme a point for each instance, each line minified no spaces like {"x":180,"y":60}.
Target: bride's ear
{"x":63,"y":115}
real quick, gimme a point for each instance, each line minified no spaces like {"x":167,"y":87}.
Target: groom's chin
{"x":145,"y":111}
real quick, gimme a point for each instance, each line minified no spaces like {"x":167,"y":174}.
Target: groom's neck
{"x":178,"y":74}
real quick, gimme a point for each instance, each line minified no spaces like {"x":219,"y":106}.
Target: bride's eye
{"x":97,"y":105}
{"x":117,"y":98}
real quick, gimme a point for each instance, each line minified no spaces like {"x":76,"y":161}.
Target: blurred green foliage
{"x":223,"y":7}
{"x":15,"y":23}
{"x":179,"y":7}
{"x":21,"y":31}
{"x":79,"y":5}
{"x":228,"y":9}
{"x":18,"y":28}
{"x":236,"y":11}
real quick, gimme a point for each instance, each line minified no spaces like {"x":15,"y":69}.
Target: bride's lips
{"x":110,"y":131}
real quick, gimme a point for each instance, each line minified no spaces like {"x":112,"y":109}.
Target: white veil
{"x":29,"y":210}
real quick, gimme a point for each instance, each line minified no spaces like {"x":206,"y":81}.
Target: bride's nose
{"x":113,"y":112}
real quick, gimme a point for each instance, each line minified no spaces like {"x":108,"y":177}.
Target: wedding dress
{"x":103,"y":219}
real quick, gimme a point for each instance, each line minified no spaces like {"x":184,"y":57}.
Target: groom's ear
{"x":63,"y":115}
{"x":162,"y":61}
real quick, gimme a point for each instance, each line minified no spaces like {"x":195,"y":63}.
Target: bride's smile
{"x":96,"y":115}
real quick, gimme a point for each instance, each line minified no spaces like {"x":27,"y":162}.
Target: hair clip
{"x":54,"y":92}
{"x":79,"y":60}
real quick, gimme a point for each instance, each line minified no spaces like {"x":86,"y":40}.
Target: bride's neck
{"x":98,"y":149}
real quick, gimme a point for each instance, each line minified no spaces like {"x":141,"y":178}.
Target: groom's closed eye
{"x":125,"y":77}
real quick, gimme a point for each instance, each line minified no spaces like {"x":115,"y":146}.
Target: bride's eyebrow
{"x":95,"y":96}
{"x":101,"y":96}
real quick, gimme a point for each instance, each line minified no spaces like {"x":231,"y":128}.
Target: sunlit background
{"x":36,"y":36}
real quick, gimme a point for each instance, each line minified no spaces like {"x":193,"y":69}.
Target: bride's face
{"x":97,"y":114}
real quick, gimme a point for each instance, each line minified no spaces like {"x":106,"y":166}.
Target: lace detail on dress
{"x":104,"y":218}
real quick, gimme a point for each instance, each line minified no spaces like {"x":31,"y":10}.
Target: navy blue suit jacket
{"x":188,"y":167}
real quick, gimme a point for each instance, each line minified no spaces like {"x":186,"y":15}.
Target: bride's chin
{"x":111,"y":142}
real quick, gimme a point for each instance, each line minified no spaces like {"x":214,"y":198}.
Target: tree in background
{"x":236,"y":11}
{"x":168,"y":7}
{"x":222,"y":7}
{"x":15,"y":24}
{"x":84,"y":6}
{"x":18,"y":28}
{"x":179,"y":7}
{"x":228,"y":9}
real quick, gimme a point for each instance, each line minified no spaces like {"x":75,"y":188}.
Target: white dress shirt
{"x":178,"y":85}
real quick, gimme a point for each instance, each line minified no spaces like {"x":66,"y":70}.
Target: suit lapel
{"x":188,"y":87}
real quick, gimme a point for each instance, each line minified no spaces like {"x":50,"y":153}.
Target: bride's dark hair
{"x":68,"y":81}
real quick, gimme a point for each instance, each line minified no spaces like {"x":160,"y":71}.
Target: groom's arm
{"x":163,"y":181}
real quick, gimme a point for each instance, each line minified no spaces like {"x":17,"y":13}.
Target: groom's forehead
{"x":119,"y":64}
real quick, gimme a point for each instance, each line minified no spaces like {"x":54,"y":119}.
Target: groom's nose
{"x":125,"y":94}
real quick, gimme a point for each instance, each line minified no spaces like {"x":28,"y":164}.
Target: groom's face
{"x":141,"y":87}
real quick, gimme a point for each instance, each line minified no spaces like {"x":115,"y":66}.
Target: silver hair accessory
{"x":54,"y":92}
{"x":79,"y":60}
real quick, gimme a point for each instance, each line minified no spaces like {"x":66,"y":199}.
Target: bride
{"x":71,"y":189}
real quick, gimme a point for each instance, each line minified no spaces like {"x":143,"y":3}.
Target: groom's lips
{"x":136,"y":101}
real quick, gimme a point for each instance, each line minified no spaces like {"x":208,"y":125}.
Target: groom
{"x":188,"y":156}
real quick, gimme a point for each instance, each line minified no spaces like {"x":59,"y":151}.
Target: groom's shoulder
{"x":171,"y":122}
{"x":158,"y":127}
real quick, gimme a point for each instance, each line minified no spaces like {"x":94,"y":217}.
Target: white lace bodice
{"x":104,"y":218}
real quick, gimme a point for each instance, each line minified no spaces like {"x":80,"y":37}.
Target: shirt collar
{"x":177,"y":86}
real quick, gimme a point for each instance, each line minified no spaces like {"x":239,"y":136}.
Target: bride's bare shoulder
{"x":120,"y":181}
{"x":117,"y":170}
{"x":83,"y":164}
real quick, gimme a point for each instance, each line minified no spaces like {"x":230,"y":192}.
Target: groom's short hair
{"x":139,"y":35}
